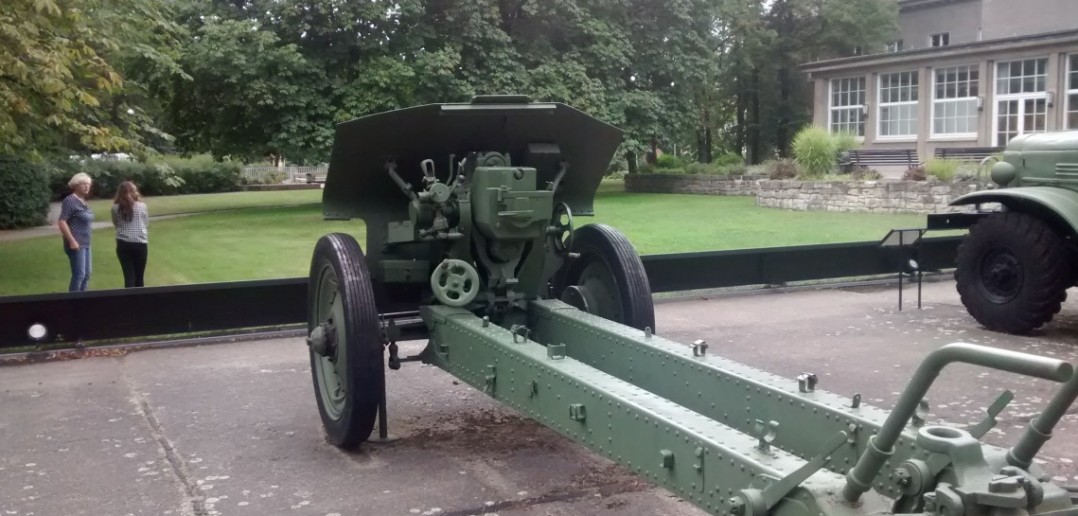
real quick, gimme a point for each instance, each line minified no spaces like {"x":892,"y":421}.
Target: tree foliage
{"x":255,"y":78}
{"x":62,"y":84}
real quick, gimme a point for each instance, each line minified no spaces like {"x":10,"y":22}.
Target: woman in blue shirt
{"x":76,"y":223}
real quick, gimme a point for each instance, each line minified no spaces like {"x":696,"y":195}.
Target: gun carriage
{"x":471,"y":215}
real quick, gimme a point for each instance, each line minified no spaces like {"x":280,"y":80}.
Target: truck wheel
{"x":344,"y":340}
{"x":608,"y":278}
{"x":1012,"y":272}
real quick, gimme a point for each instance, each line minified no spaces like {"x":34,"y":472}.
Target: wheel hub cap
{"x":323,"y":339}
{"x":1001,"y":275}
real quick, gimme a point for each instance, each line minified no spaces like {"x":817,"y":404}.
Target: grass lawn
{"x":197,"y":203}
{"x":276,"y":240}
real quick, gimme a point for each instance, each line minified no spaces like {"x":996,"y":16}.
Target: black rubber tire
{"x":365,"y":368}
{"x":1040,"y":272}
{"x":599,"y":242}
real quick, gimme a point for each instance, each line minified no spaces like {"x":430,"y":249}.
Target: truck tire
{"x":1012,"y":272}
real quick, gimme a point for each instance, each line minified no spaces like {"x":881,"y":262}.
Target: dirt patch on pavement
{"x":488,"y":432}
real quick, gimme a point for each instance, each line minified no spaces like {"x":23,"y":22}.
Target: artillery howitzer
{"x":1014,"y":268}
{"x":471,"y":243}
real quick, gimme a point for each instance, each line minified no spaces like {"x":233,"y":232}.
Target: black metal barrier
{"x":128,"y":313}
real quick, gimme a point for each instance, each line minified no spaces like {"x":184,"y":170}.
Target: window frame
{"x":976,"y":98}
{"x":831,"y":108}
{"x":998,"y":97}
{"x":894,"y":46}
{"x":880,"y":104}
{"x":944,"y":37}
{"x":1070,"y":89}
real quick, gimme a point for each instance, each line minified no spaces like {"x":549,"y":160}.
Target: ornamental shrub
{"x":815,"y":150}
{"x":669,"y":161}
{"x":164,"y":176}
{"x":782,"y":169}
{"x":845,"y":142}
{"x":942,"y":169}
{"x":25,"y":199}
{"x":695,"y":168}
{"x":915,"y":174}
{"x":727,"y":159}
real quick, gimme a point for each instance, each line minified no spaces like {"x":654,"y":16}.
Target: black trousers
{"x":132,"y":257}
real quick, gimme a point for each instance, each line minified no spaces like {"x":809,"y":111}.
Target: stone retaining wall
{"x":849,"y":196}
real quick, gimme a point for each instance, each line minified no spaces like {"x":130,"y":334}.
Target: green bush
{"x":738,"y":169}
{"x":166,"y":176}
{"x":668,"y":161}
{"x":845,"y":142}
{"x":25,"y":199}
{"x":815,"y":150}
{"x":728,"y":159}
{"x":696,"y":168}
{"x":942,"y":169}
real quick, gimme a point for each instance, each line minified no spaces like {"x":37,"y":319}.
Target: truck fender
{"x":1056,"y":206}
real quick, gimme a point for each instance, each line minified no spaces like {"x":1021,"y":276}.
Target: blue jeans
{"x":81,"y":267}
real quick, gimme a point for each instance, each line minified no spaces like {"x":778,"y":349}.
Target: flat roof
{"x":921,"y":54}
{"x":908,"y":5}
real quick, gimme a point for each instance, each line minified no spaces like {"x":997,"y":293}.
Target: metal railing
{"x":294,"y":174}
{"x":207,"y":307}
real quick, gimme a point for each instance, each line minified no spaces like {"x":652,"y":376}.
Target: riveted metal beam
{"x":700,"y":459}
{"x":735,"y":394}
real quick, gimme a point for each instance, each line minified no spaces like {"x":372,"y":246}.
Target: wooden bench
{"x":313,"y":178}
{"x":967,"y":153}
{"x":871,"y":157}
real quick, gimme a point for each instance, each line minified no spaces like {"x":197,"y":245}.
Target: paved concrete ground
{"x":233,"y":429}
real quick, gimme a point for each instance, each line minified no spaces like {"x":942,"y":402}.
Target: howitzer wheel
{"x":1012,"y":272}
{"x":344,"y":341}
{"x":608,"y":278}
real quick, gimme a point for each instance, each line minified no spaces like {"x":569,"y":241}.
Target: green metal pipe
{"x":882,"y":444}
{"x":1040,"y":429}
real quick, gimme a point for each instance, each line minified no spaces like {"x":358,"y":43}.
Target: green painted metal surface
{"x":1040,"y":158}
{"x":469,"y":212}
{"x":735,"y":394}
{"x":1060,"y":204}
{"x":730,"y":438}
{"x":699,"y":458}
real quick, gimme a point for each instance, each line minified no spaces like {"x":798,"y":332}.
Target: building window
{"x":1021,"y":100}
{"x":954,"y":107}
{"x":940,"y":40}
{"x":897,"y":105}
{"x":1072,"y":91}
{"x":1017,"y":77}
{"x":847,"y":99}
{"x":894,"y":46}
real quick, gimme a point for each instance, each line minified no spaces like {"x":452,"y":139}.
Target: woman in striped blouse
{"x":132,"y":221}
{"x":76,"y":224}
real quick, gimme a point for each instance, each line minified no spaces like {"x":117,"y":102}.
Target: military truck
{"x":1014,"y":267}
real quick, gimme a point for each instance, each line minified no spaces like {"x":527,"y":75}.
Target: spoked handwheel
{"x":608,"y":278}
{"x":344,"y":340}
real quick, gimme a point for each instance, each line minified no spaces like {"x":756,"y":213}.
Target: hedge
{"x":168,"y":176}
{"x":25,"y":199}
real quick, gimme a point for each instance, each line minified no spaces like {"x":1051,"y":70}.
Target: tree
{"x":770,"y":43}
{"x":61,"y":85}
{"x":249,"y":95}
